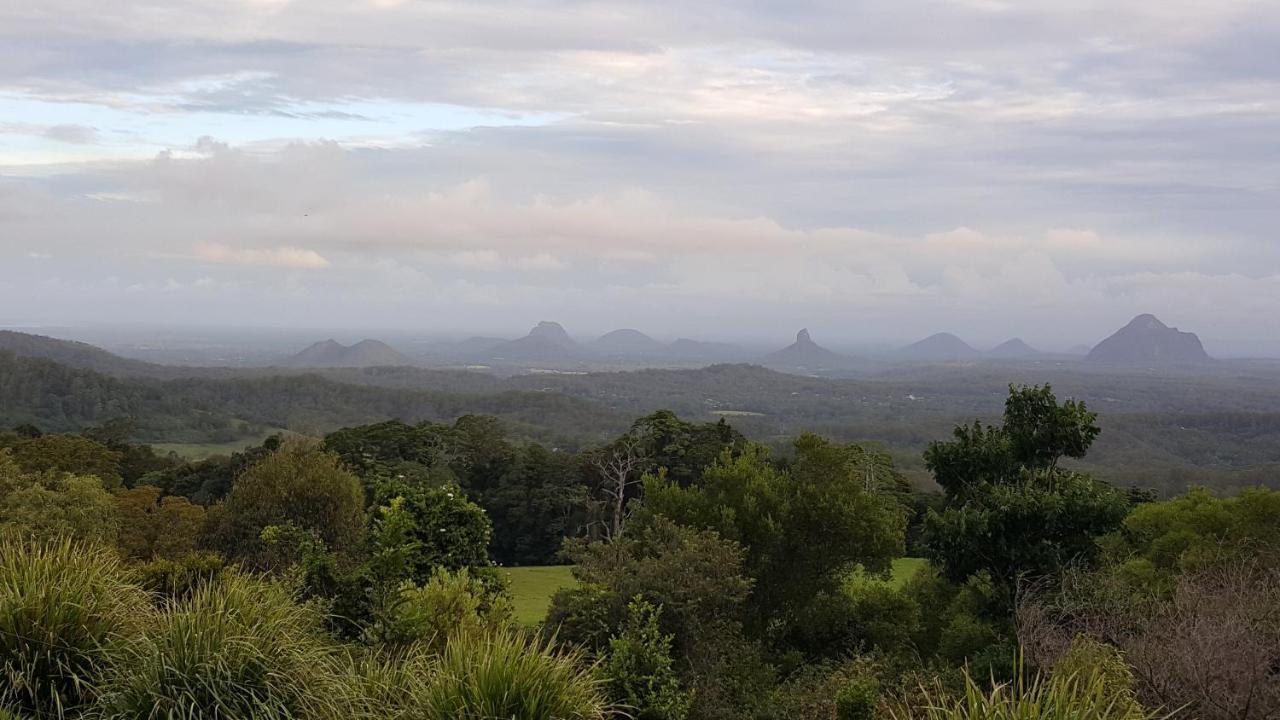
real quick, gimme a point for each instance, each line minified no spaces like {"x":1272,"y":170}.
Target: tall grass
{"x":511,"y":675}
{"x":65,"y":609}
{"x":236,"y":648}
{"x":1084,"y":695}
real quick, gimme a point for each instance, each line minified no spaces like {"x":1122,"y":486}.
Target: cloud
{"x":284,"y":257}
{"x":1039,"y":164}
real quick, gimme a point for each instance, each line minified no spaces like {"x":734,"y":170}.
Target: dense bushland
{"x":357,"y":576}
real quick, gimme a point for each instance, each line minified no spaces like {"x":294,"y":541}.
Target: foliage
{"x":508,"y":674}
{"x":450,"y":603}
{"x":236,"y":648}
{"x":639,"y":668}
{"x":697,"y":579}
{"x":1030,"y":529}
{"x":1011,"y":513}
{"x":177,"y":579}
{"x":1037,"y":433}
{"x":1088,"y":693}
{"x":152,"y":526}
{"x":70,"y":454}
{"x":803,"y":529}
{"x":297,"y":485}
{"x":444,"y":528}
{"x":1199,"y":530}
{"x":50,"y":504}
{"x":65,"y":611}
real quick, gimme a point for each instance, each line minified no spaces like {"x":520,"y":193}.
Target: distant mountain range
{"x":333,"y":354}
{"x":1146,"y":340}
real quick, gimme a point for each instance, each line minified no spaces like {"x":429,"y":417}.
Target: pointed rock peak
{"x":803,"y":338}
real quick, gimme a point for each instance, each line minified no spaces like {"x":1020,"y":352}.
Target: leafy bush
{"x":639,"y":667}
{"x":450,"y":603}
{"x":177,"y":579}
{"x":510,"y":675}
{"x":63,"y":609}
{"x":858,"y":699}
{"x":236,"y":648}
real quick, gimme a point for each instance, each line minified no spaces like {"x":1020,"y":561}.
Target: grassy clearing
{"x":903,"y":570}
{"x":532,"y":588}
{"x":200,"y":451}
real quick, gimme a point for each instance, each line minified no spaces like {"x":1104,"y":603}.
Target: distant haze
{"x":715,"y":170}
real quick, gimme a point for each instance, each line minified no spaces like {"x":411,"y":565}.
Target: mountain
{"x":1146,"y":340}
{"x":941,"y":347}
{"x":333,"y":354}
{"x":73,"y":354}
{"x":477,"y":344}
{"x":546,"y":342}
{"x":806,"y":354}
{"x":627,"y":342}
{"x":706,"y":351}
{"x":1014,"y":349}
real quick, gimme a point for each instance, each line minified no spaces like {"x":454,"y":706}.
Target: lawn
{"x":532,"y":588}
{"x":200,"y":451}
{"x":903,"y":570}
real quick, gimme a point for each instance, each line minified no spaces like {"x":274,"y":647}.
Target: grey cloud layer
{"x":1034,"y":168}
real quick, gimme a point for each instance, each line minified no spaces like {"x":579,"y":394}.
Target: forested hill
{"x":74,"y":354}
{"x":1159,"y":430}
{"x":60,"y":398}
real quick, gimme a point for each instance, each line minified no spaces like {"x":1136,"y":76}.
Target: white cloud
{"x":285,"y":257}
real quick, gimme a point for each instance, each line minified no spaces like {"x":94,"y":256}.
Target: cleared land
{"x":532,"y":587}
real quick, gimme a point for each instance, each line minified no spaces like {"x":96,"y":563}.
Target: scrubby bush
{"x":449,"y":603}
{"x":508,"y":674}
{"x":1088,"y":691}
{"x":639,"y":669}
{"x":64,"y":611}
{"x":236,"y":648}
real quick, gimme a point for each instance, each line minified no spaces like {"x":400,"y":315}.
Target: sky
{"x":873,"y":170}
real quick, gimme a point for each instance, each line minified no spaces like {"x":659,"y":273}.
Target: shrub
{"x":63,"y":608}
{"x":178,"y":579}
{"x":236,"y":648}
{"x":510,"y":675}
{"x":1089,"y":693}
{"x":639,"y":668}
{"x":448,"y":604}
{"x":857,"y":700}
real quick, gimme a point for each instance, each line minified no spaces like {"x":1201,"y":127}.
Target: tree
{"x":300,"y":485}
{"x":445,"y":529}
{"x":47,"y":505}
{"x":1037,"y":433}
{"x":154,"y":527}
{"x":803,"y":529}
{"x":69,"y":454}
{"x":1011,"y":513}
{"x":640,"y":669}
{"x":618,"y":467}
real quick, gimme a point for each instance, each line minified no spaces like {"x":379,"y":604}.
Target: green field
{"x":200,"y":451}
{"x":532,"y":588}
{"x":903,"y":570}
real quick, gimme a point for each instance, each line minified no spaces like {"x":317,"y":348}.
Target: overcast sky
{"x":727,"y":169}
